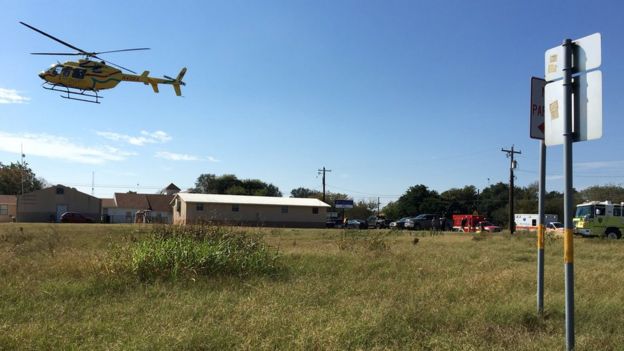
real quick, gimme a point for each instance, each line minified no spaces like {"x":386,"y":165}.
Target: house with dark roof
{"x":123,"y":208}
{"x":8,"y":208}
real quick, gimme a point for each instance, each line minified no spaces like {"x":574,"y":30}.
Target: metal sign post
{"x":573,"y":112}
{"x":537,"y":132}
{"x":568,"y":243}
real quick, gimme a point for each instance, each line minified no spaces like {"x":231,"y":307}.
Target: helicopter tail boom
{"x":147,"y":80}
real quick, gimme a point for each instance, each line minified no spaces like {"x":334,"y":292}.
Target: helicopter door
{"x":65,"y":77}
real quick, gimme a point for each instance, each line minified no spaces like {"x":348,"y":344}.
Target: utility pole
{"x":378,"y":204}
{"x":323,"y":172}
{"x":23,"y":165}
{"x":512,"y":166}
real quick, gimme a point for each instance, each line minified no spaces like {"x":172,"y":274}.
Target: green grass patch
{"x":171,"y":252}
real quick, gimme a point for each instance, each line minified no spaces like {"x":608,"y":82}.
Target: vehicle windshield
{"x":557,"y":224}
{"x":582,"y":211}
{"x":55,"y":70}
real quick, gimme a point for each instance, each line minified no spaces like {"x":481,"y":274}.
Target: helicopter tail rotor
{"x":178,"y":82}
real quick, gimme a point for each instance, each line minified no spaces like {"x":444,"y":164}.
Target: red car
{"x":75,"y":217}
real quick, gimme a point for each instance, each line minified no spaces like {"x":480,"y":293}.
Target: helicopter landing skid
{"x":69,"y":93}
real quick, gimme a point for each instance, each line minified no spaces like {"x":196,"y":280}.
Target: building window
{"x":4,"y":210}
{"x":60,"y":191}
{"x":199,"y":207}
{"x":178,"y":206}
{"x":314,"y":210}
{"x":284,"y":209}
{"x":617,"y":211}
{"x":235,"y":208}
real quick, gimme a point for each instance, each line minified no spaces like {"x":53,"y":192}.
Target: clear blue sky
{"x":386,"y":94}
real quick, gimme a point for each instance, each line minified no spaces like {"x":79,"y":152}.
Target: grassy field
{"x":64,"y":287}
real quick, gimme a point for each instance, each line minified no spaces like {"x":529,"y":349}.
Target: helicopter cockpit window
{"x":78,"y":73}
{"x":56,"y":70}
{"x":66,"y":71}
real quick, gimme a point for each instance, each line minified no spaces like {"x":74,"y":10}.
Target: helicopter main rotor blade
{"x":114,"y":64}
{"x":57,"y":53}
{"x":108,"y":52}
{"x":54,"y":38}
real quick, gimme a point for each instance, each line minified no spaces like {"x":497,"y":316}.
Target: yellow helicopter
{"x":83,"y":80}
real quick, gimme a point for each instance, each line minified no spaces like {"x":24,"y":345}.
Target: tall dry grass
{"x":368,"y":290}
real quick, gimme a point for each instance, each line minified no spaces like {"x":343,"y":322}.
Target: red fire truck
{"x":467,"y":222}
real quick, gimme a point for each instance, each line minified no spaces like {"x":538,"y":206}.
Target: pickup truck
{"x":377,"y":222}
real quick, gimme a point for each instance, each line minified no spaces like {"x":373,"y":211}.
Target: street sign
{"x":587,"y":92}
{"x":587,"y":109}
{"x":587,"y":53}
{"x":537,"y":108}
{"x":554,"y":113}
{"x":343,"y":203}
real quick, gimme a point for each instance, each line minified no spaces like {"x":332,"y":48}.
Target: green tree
{"x":610,"y":192}
{"x":230,"y":184}
{"x":460,"y":201}
{"x":304,"y":193}
{"x":526,"y":199}
{"x":493,"y":203}
{"x":416,"y":200}
{"x":11,"y":179}
{"x":391,"y":210}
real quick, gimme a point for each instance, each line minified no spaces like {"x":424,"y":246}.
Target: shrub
{"x":173,"y":251}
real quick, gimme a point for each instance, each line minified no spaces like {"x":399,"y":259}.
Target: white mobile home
{"x":248,"y":210}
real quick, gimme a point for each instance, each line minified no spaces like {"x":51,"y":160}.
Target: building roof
{"x":154,"y":202}
{"x":251,"y":200}
{"x":160,"y":202}
{"x":172,"y":187}
{"x":108,"y":203}
{"x":8,"y":199}
{"x":131,"y":200}
{"x":54,"y":187}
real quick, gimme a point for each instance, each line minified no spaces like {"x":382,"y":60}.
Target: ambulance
{"x":529,"y":222}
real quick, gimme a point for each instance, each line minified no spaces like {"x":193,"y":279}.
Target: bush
{"x":174,"y":251}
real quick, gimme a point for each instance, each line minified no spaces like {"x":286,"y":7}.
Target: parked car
{"x":75,"y":217}
{"x":489,"y":227}
{"x":357,"y":224}
{"x":334,"y":223}
{"x":400,"y":224}
{"x":420,"y":222}
{"x":555,"y":228}
{"x":377,"y":222}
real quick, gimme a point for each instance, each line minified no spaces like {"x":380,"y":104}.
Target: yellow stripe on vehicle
{"x":568,"y":248}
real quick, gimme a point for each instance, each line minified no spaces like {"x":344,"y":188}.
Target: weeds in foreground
{"x":354,"y":240}
{"x":23,"y":242}
{"x":170,"y":252}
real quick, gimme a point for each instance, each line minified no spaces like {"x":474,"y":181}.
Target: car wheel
{"x":612,"y":234}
